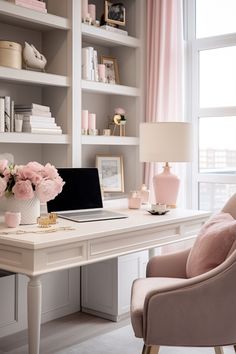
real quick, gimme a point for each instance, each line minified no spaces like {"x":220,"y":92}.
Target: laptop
{"x":80,"y":199}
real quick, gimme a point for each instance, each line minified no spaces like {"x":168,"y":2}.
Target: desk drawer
{"x":132,"y":241}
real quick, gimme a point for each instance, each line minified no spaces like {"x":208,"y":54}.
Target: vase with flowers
{"x":24,"y":187}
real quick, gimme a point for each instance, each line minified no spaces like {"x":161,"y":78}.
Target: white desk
{"x":34,"y":254}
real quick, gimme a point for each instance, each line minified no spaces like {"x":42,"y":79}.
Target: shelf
{"x":106,"y":38}
{"x":32,"y":77}
{"x":99,"y":87}
{"x":27,"y":18}
{"x":109,"y":140}
{"x":30,"y":138}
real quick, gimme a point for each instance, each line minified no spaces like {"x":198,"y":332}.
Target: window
{"x":211,"y":44}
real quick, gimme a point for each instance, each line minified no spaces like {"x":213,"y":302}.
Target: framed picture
{"x":111,"y":69}
{"x":110,"y":169}
{"x":115,"y":13}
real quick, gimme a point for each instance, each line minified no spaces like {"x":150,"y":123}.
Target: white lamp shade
{"x":165,"y":142}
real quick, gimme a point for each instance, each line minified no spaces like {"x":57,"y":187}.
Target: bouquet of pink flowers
{"x":26,"y":181}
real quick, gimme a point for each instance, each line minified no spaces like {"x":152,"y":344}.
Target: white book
{"x":46,"y":125}
{"x":114,"y":29}
{"x":7,"y":114}
{"x":33,"y":112}
{"x":39,"y":119}
{"x":95,"y":65}
{"x":12,"y":119}
{"x":2,"y":115}
{"x":87,"y":63}
{"x":43,"y":131}
{"x":33,"y":106}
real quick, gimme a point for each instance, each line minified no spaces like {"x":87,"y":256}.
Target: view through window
{"x":212,"y":43}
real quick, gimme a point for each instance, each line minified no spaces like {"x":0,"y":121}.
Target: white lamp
{"x":165,"y":142}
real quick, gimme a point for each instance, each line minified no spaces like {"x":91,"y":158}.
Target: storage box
{"x":11,"y":54}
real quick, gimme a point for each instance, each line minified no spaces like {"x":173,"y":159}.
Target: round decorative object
{"x":29,"y":209}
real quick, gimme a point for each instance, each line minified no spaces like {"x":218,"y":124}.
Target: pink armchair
{"x":167,"y":308}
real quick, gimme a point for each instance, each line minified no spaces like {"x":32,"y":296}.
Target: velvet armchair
{"x":170,"y":309}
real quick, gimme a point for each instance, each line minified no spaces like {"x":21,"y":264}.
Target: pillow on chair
{"x":213,"y":244}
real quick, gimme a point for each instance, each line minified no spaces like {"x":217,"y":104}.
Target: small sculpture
{"x":120,"y":120}
{"x":33,"y":59}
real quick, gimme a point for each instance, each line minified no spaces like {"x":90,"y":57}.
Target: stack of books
{"x":36,"y":5}
{"x":6,"y":114}
{"x":90,"y":64}
{"x":37,"y":119}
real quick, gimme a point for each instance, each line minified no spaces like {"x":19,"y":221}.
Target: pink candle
{"x":102,"y":72}
{"x":92,"y":11}
{"x":92,"y":121}
{"x":12,"y":219}
{"x":84,"y":9}
{"x":85,"y":119}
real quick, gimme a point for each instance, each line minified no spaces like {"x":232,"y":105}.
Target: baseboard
{"x":106,"y":316}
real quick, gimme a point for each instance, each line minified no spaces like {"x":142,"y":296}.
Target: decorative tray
{"x":154,"y":212}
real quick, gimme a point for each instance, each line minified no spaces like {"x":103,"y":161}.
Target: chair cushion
{"x":141,"y":288}
{"x":214,"y":243}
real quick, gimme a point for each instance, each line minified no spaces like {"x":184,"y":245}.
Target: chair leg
{"x":219,"y":350}
{"x":235,"y":348}
{"x":150,"y":349}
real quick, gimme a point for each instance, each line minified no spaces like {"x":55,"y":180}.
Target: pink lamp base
{"x":166,"y":187}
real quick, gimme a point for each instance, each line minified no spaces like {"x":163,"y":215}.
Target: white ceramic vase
{"x":29,"y":209}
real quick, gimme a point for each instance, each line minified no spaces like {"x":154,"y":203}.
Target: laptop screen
{"x":80,"y":191}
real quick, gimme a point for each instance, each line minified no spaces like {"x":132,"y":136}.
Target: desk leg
{"x":34,"y":313}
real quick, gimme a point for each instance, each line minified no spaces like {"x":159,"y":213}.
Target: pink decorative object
{"x":166,"y":187}
{"x":144,"y":192}
{"x":134,"y":201}
{"x":24,"y":182}
{"x":92,"y":121}
{"x":120,"y":111}
{"x":215,"y":242}
{"x":102,"y":72}
{"x":92,"y":11}
{"x":85,"y":119}
{"x":12,"y":219}
{"x":84,"y":9}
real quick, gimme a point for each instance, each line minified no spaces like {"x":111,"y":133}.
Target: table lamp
{"x":165,"y":142}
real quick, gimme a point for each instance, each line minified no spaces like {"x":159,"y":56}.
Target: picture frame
{"x":114,"y":13}
{"x":110,"y":169}
{"x":111,"y":69}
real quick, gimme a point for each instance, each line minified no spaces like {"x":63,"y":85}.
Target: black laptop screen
{"x":80,"y":191}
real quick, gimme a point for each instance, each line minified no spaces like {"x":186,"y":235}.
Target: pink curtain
{"x":164,"y":66}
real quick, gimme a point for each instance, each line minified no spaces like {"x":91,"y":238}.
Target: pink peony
{"x":23,"y":190}
{"x":35,"y":166}
{"x":3,"y":186}
{"x":50,"y":171}
{"x":3,"y":165}
{"x":120,"y":111}
{"x":46,"y":190}
{"x":26,"y":173}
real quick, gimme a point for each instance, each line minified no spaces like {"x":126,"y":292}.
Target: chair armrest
{"x":171,"y":265}
{"x":198,"y":311}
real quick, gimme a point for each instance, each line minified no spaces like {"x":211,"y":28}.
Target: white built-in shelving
{"x":96,"y":35}
{"x":12,"y":14}
{"x":32,"y":77}
{"x":109,"y":89}
{"x":109,"y":140}
{"x":29,"y":138}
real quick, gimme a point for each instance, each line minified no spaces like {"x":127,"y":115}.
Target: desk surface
{"x":33,"y":253}
{"x":137,"y":219}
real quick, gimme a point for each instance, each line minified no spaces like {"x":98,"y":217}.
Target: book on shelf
{"x":7,"y":113}
{"x":114,"y":30}
{"x":2,"y":114}
{"x":43,"y":130}
{"x":36,"y":106}
{"x":27,"y":125}
{"x":38,"y":119}
{"x":33,"y":112}
{"x":89,"y":64}
{"x":31,"y":4}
